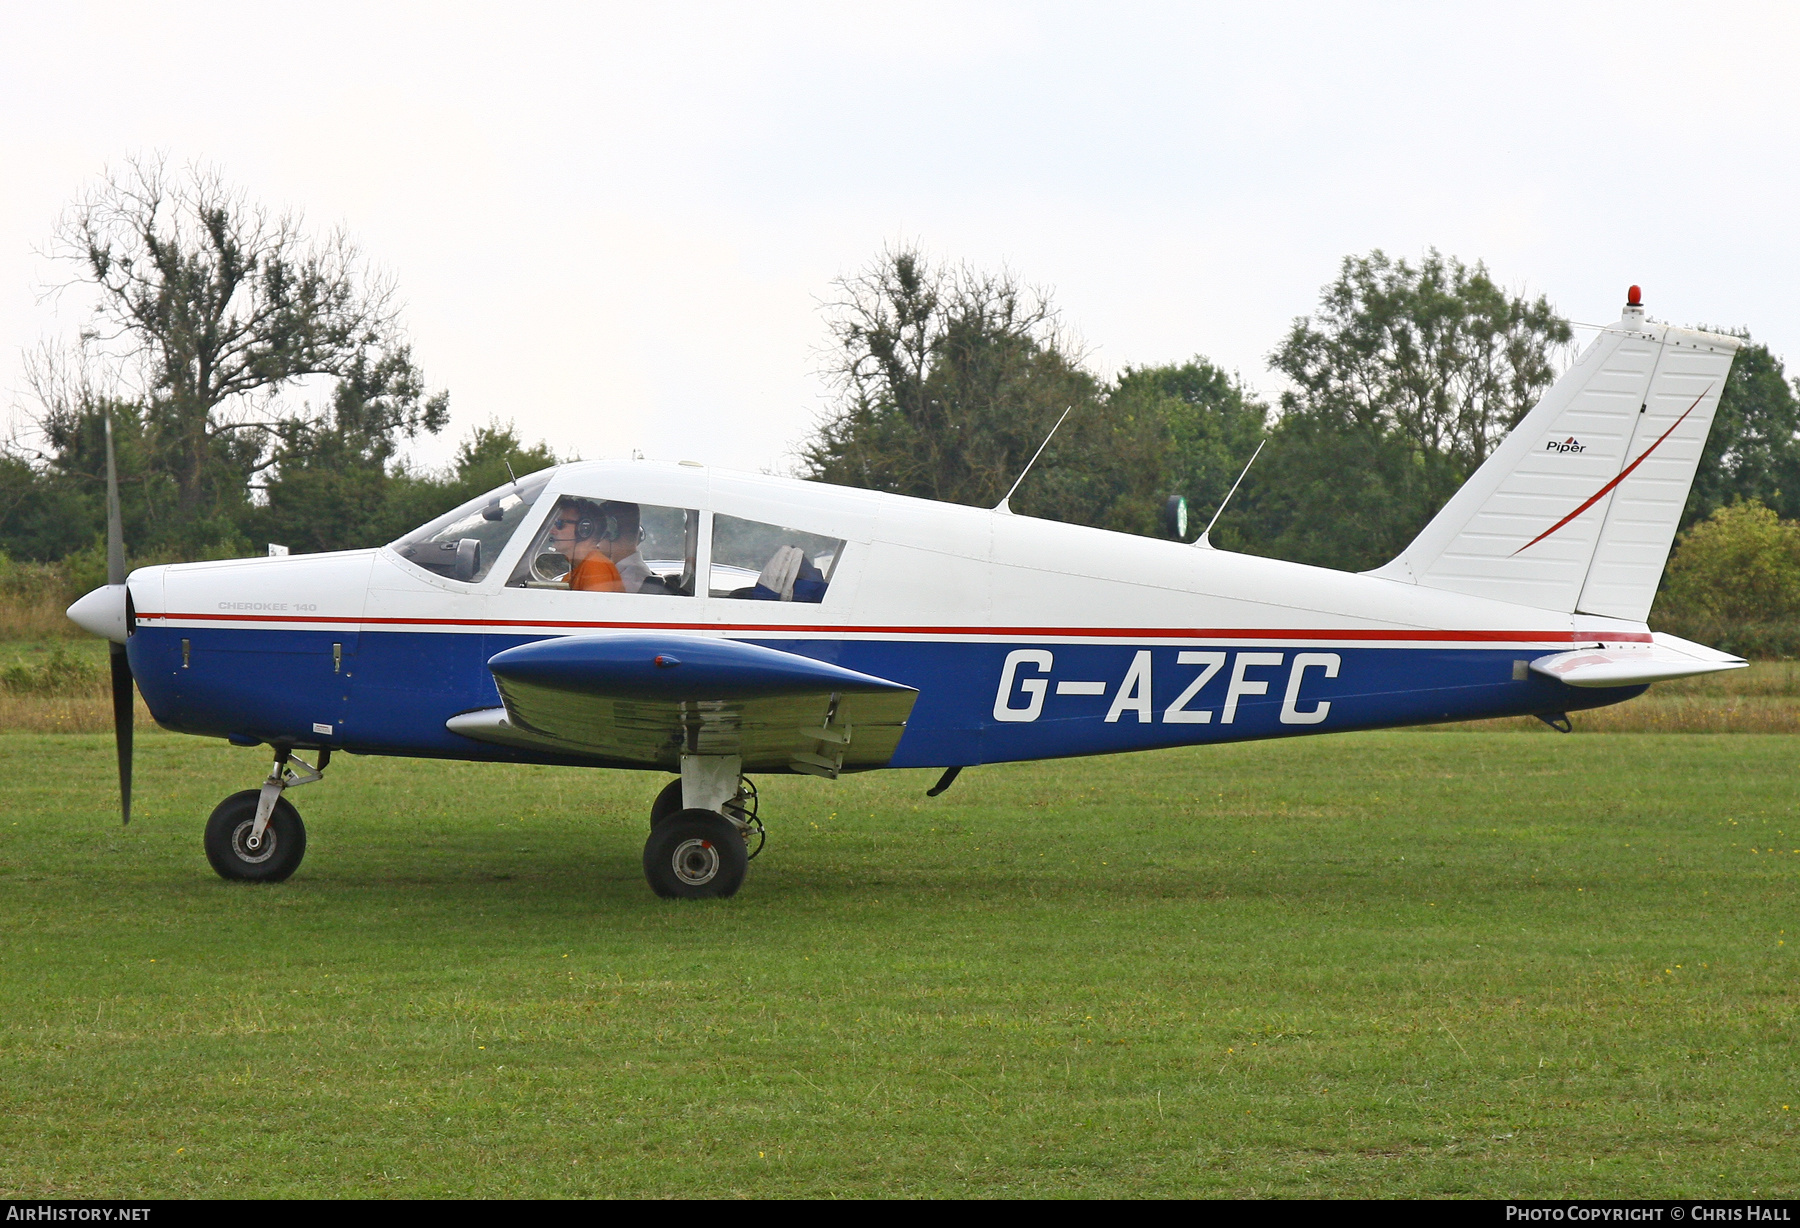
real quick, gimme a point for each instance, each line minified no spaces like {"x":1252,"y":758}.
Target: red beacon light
{"x":1634,"y":297}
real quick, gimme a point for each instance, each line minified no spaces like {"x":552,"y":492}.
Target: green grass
{"x":1385,"y":964}
{"x":35,"y":653}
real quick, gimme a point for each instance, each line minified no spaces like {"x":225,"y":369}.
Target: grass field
{"x":1435,"y":963}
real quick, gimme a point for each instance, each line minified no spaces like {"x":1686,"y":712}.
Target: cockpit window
{"x":765,"y":562}
{"x":463,"y":544}
{"x":592,"y":544}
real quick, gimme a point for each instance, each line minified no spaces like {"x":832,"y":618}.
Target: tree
{"x":493,"y":454}
{"x":1343,"y":498}
{"x":40,"y":518}
{"x":331,"y":485}
{"x":207,"y":308}
{"x":1438,"y":354}
{"x":1402,"y":383}
{"x":1180,"y":429}
{"x":341,"y":490}
{"x":70,"y":473}
{"x":1753,"y":452}
{"x":1734,"y":581}
{"x":489,"y":457}
{"x":1742,"y":563}
{"x":948,"y":381}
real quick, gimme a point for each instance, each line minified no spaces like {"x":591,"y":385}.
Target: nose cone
{"x":102,"y":613}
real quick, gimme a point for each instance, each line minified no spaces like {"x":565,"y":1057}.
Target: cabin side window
{"x":764,"y":562}
{"x":591,"y":544}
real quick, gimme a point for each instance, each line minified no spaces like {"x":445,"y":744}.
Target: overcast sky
{"x":615,"y":225}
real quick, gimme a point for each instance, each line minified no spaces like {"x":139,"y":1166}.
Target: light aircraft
{"x":741,"y":623}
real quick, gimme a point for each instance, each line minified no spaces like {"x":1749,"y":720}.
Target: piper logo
{"x":1571,"y":444}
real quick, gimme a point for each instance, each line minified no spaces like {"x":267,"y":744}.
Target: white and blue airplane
{"x":683,"y":619}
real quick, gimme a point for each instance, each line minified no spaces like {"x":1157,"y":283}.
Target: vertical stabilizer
{"x":1575,"y":511}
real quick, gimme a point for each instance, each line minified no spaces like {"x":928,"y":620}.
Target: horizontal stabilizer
{"x":1635,"y":664}
{"x":647,"y":700}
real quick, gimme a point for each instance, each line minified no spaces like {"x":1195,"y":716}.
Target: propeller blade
{"x":121,"y":664}
{"x":122,"y":721}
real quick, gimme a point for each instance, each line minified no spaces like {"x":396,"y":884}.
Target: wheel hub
{"x":240,"y":843}
{"x":695,"y":862}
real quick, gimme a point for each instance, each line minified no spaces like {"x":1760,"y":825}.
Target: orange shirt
{"x":596,"y":574}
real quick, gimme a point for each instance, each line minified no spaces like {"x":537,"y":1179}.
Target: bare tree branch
{"x":208,"y":306}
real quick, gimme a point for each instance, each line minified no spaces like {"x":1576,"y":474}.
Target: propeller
{"x":121,"y":664}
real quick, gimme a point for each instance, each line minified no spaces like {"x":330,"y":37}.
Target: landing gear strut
{"x":703,"y":830}
{"x":741,"y":810}
{"x":256,"y":836}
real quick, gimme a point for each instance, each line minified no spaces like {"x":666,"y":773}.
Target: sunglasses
{"x":559,"y":524}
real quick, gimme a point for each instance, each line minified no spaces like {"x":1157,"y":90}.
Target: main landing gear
{"x":256,"y":836}
{"x":703,"y":831}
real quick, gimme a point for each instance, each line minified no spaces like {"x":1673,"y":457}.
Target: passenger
{"x":622,"y":534}
{"x":600,"y":540}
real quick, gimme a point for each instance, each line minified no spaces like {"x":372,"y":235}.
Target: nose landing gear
{"x":256,"y":836}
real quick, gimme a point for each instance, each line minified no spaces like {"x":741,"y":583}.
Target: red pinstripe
{"x":1191,"y":633}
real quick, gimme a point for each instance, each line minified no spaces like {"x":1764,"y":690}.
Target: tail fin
{"x":1576,"y":509}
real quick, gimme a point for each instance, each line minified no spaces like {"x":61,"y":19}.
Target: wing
{"x":648,"y":699}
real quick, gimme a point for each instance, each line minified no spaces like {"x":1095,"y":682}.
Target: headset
{"x":611,"y":524}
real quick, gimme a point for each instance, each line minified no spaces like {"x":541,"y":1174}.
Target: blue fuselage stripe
{"x":390,"y":692}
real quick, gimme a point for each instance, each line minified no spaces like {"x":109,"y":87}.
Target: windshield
{"x":464,"y":544}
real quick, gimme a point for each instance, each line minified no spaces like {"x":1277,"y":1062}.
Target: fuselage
{"x":1025,"y":638}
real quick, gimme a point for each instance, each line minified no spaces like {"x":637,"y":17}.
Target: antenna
{"x":1203,"y":540}
{"x":1005,"y":505}
{"x":510,"y":473}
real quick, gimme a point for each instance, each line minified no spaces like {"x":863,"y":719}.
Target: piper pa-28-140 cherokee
{"x":676,"y":618}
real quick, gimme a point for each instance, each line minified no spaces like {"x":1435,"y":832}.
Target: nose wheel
{"x":240,"y":854}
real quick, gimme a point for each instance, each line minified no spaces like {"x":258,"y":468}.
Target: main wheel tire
{"x":667,"y":803}
{"x":695,"y":855}
{"x":228,"y":840}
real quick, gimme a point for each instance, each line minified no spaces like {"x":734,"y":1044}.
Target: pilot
{"x":600,"y":540}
